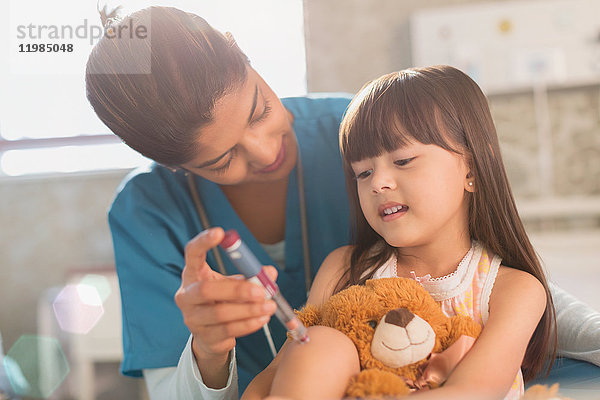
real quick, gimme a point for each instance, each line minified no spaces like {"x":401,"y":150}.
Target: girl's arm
{"x":323,"y":285}
{"x":517,"y":303}
{"x":260,"y":387}
{"x":328,"y":275}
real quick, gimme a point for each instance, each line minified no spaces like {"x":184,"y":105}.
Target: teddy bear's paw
{"x":543,"y":392}
{"x":376,"y":383}
{"x":459,"y":326}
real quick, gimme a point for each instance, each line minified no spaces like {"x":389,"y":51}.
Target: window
{"x":46,"y":123}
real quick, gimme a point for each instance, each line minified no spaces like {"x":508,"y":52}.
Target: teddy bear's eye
{"x":372,"y":324}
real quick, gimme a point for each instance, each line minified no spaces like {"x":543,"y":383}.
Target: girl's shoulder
{"x":332,"y":269}
{"x":516,"y":276}
{"x":512,"y":284}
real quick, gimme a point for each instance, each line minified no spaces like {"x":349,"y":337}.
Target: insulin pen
{"x":251,"y":268}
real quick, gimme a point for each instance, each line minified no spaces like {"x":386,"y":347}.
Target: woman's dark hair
{"x":158,"y":112}
{"x":441,"y":105}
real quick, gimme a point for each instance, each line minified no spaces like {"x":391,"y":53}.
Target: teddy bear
{"x":398,"y":329}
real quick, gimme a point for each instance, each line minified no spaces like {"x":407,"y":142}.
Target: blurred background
{"x":537,"y":60}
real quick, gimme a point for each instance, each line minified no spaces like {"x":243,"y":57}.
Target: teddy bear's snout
{"x":402,"y":338}
{"x":400,"y":317}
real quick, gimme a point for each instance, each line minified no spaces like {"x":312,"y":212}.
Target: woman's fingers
{"x":223,"y":313}
{"x":223,"y":290}
{"x":271,"y":272}
{"x":218,"y":308}
{"x":213,"y":335}
{"x":220,"y":338}
{"x":196,"y":268}
{"x":224,"y":302}
{"x":232,"y":289}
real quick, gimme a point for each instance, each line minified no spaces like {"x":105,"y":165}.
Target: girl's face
{"x":414,"y":195}
{"x":250,"y":140}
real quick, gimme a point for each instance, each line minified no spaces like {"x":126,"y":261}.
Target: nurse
{"x":229,"y":153}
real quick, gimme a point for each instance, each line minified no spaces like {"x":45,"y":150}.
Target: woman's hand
{"x":217,"y":308}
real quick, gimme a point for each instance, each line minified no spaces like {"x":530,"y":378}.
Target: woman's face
{"x":414,"y":195}
{"x":250,"y":140}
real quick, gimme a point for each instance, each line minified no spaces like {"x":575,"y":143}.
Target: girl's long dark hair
{"x":441,"y":105}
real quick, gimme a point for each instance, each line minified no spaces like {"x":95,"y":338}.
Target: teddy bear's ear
{"x":310,"y":315}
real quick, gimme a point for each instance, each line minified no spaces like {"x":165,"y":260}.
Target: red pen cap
{"x":231,"y":237}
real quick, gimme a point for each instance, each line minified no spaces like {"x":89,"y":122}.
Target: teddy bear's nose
{"x":399,"y":317}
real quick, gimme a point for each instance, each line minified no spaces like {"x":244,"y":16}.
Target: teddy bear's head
{"x":394,"y":323}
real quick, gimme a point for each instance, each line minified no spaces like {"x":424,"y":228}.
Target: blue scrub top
{"x":153,"y":217}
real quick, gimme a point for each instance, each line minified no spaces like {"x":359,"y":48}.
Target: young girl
{"x":431,"y":201}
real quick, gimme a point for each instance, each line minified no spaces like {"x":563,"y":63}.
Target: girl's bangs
{"x":388,"y":114}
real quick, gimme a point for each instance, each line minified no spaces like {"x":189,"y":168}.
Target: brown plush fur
{"x":350,"y":312}
{"x":542,"y":392}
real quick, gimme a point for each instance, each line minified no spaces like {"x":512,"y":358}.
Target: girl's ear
{"x":469,"y":182}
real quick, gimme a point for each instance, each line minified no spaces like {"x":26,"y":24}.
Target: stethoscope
{"x":303,"y":227}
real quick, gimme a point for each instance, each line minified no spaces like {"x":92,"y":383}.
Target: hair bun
{"x":108,"y":17}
